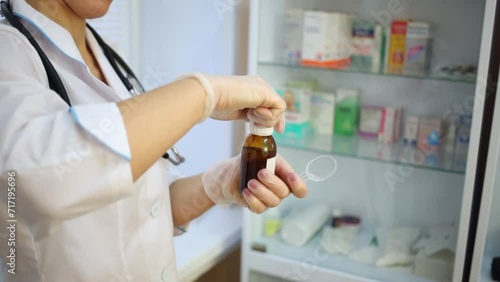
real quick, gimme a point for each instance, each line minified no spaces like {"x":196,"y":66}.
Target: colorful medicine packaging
{"x":327,"y":39}
{"x":367,"y":46}
{"x":294,"y":27}
{"x":411,"y":131}
{"x":397,"y":50}
{"x":370,"y":120}
{"x":464,"y":125}
{"x":347,"y":111}
{"x":430,"y":132}
{"x":297,"y":96}
{"x":323,"y":113}
{"x":417,"y":45}
{"x":390,"y":128}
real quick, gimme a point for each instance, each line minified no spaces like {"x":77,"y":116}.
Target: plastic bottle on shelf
{"x":300,"y":227}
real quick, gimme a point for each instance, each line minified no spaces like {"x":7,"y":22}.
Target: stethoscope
{"x":114,"y":59}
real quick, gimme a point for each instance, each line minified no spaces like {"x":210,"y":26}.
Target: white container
{"x":300,"y":227}
{"x":327,"y":39}
{"x":323,"y":113}
{"x":294,"y":26}
{"x":340,"y":240}
{"x":438,"y":266}
{"x":411,"y":130}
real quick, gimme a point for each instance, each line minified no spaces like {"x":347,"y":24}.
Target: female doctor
{"x":92,"y":199}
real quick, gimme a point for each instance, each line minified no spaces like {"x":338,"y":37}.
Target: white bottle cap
{"x":260,"y":130}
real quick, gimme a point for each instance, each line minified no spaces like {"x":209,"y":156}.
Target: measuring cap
{"x":260,"y":130}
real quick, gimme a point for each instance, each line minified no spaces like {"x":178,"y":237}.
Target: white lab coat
{"x":79,"y":215}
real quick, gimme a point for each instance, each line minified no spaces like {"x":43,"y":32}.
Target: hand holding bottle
{"x":221,"y":185}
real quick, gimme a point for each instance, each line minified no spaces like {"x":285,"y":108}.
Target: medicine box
{"x":430,"y":132}
{"x":297,"y":96}
{"x":417,"y":44}
{"x":436,"y":267}
{"x":390,"y":129}
{"x":294,"y":26}
{"x":367,"y":46}
{"x":323,"y":113}
{"x":346,"y":111}
{"x":464,"y":125}
{"x":327,"y":39}
{"x":411,"y":130}
{"x":370,"y":120}
{"x":386,"y":47}
{"x":398,"y":46}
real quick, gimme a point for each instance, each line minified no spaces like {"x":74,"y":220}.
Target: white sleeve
{"x":173,"y":174}
{"x":63,"y":168}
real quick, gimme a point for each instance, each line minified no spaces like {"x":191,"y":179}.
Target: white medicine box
{"x":294,"y":26}
{"x":323,"y":113}
{"x":327,"y":39}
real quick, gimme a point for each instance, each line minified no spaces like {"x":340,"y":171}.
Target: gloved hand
{"x":248,"y":98}
{"x":221,"y":185}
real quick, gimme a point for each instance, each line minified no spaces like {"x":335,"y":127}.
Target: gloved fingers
{"x":240,"y":200}
{"x":267,"y":117}
{"x":254,"y":204}
{"x":263,"y":193}
{"x":268,"y":97}
{"x":273,"y":183}
{"x":294,"y":182}
{"x":280,"y":126}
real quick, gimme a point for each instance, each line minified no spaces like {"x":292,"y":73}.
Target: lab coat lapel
{"x":37,"y":23}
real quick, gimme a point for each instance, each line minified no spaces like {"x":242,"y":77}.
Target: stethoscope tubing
{"x":54,"y":79}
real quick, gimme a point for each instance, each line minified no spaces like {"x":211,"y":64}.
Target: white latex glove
{"x":221,"y":185}
{"x":242,"y":98}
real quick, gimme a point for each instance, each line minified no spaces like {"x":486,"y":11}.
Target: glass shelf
{"x":461,"y":79}
{"x":370,"y":149}
{"x":312,"y":251}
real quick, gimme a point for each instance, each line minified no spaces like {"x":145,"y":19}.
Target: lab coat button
{"x":155,"y":210}
{"x":164,"y":275}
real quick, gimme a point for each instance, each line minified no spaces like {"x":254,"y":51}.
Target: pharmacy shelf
{"x":315,"y":263}
{"x":461,"y":79}
{"x":370,"y":149}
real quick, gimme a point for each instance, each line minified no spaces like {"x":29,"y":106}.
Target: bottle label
{"x":271,"y":164}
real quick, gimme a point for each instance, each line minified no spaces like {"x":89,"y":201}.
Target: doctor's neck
{"x":72,"y":15}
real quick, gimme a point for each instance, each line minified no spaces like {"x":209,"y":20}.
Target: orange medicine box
{"x":398,"y":46}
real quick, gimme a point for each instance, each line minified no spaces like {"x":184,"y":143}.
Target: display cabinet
{"x":415,"y":205}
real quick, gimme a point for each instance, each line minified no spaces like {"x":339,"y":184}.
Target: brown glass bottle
{"x":258,"y":152}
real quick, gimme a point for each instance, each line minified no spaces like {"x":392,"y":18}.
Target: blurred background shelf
{"x":371,"y":150}
{"x":311,"y":255}
{"x":427,"y":76}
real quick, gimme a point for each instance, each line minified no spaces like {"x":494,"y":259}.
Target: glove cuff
{"x":209,"y":91}
{"x":215,"y":193}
